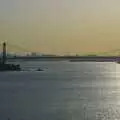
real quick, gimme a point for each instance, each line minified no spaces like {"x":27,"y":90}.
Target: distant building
{"x":33,"y":54}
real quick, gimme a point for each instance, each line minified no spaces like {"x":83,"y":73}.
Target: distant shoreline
{"x":70,"y":58}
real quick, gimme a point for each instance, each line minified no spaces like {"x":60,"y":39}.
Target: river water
{"x":63,"y":91}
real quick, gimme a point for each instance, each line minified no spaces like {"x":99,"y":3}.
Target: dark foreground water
{"x":63,"y":91}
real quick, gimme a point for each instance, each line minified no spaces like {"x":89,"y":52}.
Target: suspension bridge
{"x":16,"y":52}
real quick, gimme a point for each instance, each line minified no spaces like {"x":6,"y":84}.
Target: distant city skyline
{"x":61,"y":27}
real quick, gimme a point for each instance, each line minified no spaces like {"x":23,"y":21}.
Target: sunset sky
{"x":61,"y":26}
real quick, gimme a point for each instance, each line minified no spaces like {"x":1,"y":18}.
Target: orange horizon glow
{"x":61,"y":27}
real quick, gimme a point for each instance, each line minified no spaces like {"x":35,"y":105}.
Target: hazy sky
{"x":61,"y":26}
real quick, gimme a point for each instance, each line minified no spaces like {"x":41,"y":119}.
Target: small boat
{"x":39,"y":69}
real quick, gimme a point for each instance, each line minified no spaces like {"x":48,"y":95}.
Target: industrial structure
{"x":4,"y":66}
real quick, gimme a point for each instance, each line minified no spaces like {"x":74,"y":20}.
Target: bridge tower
{"x":4,"y":54}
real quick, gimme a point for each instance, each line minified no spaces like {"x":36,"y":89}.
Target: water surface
{"x":63,"y":91}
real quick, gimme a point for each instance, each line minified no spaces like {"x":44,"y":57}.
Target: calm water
{"x":63,"y":91}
